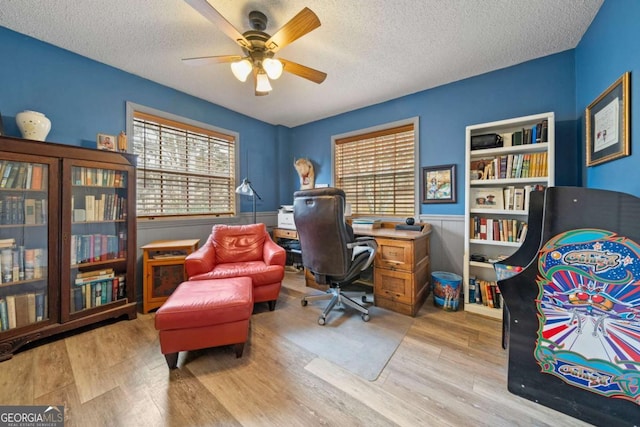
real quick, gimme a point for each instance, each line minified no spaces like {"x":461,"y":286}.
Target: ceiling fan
{"x":259,"y":47}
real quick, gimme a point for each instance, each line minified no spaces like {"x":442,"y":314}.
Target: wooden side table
{"x":163,"y":265}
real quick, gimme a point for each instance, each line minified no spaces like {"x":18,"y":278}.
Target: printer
{"x":285,"y":217}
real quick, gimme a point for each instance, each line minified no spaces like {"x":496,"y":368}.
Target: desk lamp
{"x":246,"y":189}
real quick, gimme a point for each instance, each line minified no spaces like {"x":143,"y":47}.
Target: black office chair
{"x":329,"y":249}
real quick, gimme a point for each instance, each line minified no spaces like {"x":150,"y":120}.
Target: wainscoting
{"x":447,"y":238}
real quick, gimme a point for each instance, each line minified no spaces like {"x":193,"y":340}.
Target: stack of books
{"x":365,"y":223}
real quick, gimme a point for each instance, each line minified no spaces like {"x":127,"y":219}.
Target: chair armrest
{"x":201,"y":261}
{"x":273,"y":254}
{"x":364,"y":244}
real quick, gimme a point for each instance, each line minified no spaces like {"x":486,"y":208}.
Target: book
{"x":518,"y":199}
{"x":5,"y":174}
{"x":94,"y":273}
{"x":4,"y":318}
{"x":94,"y":279}
{"x":89,"y":206}
{"x":40,"y":306}
{"x":29,"y":211}
{"x":11,"y":310}
{"x":29,"y":263}
{"x":22,"y":310}
{"x":6,"y":265}
{"x":36,"y":177}
{"x":516,"y":138}
{"x":31,"y":307}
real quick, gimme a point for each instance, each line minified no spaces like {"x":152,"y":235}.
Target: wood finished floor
{"x":449,"y":371}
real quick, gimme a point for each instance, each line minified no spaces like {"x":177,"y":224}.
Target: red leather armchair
{"x":241,"y":251}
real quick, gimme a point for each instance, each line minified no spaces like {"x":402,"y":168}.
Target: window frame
{"x":131,"y":108}
{"x":382,"y":127}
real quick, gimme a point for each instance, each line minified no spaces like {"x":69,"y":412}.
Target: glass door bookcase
{"x":28,"y":219}
{"x":97,"y":228}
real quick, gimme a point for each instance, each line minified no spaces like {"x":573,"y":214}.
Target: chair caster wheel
{"x":304,"y":302}
{"x":321,"y":321}
{"x":365,"y":317}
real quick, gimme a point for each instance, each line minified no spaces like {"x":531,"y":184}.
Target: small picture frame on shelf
{"x":607,"y":123}
{"x":439,"y":184}
{"x":107,"y":142}
{"x":486,"y":198}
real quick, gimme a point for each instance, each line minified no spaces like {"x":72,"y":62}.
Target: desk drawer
{"x":394,"y":285}
{"x":403,"y":287}
{"x":281,"y":233}
{"x":395,"y":254}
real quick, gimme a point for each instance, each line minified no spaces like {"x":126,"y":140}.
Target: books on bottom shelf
{"x":97,"y":291}
{"x":485,"y":292}
{"x":21,"y":310}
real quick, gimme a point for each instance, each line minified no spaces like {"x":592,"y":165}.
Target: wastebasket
{"x":446,"y":290}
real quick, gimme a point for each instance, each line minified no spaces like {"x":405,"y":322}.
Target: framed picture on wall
{"x":607,"y":123}
{"x":439,"y":184}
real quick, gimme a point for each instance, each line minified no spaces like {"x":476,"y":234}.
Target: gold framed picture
{"x":607,"y":123}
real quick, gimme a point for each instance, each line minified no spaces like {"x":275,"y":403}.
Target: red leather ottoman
{"x":205,"y":313}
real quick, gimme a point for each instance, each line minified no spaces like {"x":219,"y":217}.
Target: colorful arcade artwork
{"x":589,"y":312}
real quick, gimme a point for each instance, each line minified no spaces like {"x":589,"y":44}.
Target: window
{"x":183,"y":169}
{"x":377,"y":170}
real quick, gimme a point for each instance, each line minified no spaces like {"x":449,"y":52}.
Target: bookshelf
{"x":498,"y":182}
{"x":67,"y":239}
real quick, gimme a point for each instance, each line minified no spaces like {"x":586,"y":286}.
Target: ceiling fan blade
{"x":301,"y":24}
{"x":302,"y":71}
{"x":209,"y":12}
{"x":206,"y":60}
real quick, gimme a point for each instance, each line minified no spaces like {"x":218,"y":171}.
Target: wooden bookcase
{"x":492,"y":177}
{"x":67,"y":237}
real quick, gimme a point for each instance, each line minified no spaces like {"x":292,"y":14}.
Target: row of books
{"x":97,"y":293}
{"x":87,"y":248}
{"x":494,"y":229}
{"x":20,"y":210}
{"x":99,"y":177}
{"x":485,"y":292}
{"x":21,"y":310}
{"x":510,"y":198}
{"x":18,"y":263}
{"x":24,"y":176}
{"x":106,"y":207}
{"x":511,"y":166}
{"x":537,"y":133}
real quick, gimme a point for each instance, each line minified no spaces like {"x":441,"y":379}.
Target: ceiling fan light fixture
{"x":241,"y":69}
{"x":262,"y":83}
{"x":272,"y":67}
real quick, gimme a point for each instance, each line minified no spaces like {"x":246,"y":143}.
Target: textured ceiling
{"x":372,"y":50}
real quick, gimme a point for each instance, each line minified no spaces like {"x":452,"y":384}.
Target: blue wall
{"x":537,"y":86}
{"x":83,"y":97}
{"x":608,"y":49}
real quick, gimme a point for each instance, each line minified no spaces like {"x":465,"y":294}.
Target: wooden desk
{"x":402,"y":268}
{"x":163,"y":265}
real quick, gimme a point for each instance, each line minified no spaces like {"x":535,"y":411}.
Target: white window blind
{"x":182,"y":169}
{"x":376,"y":170}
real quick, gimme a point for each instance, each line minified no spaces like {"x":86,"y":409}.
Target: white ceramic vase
{"x":33,"y":125}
